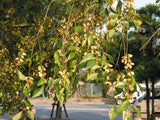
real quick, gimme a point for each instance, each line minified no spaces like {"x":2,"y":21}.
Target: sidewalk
{"x":88,"y":100}
{"x":143,"y":108}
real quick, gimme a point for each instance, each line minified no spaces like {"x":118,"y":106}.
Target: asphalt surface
{"x":75,"y":110}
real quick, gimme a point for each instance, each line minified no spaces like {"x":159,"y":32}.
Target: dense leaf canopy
{"x":49,"y":45}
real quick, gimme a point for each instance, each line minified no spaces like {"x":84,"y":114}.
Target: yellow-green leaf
{"x":87,"y":57}
{"x":30,"y":115}
{"x":38,"y":92}
{"x":72,"y":48}
{"x":123,"y":107}
{"x":136,"y":109}
{"x":113,"y":9}
{"x":113,"y":16}
{"x":90,"y":39}
{"x":112,"y":112}
{"x":41,"y":82}
{"x":92,"y":76}
{"x":56,"y":56}
{"x":120,"y":85}
{"x":27,"y":103}
{"x":111,"y":33}
{"x":17,"y":116}
{"x":26,"y":91}
{"x":21,"y":76}
{"x":71,"y":55}
{"x":91,"y":63}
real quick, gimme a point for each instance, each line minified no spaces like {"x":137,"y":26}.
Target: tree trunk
{"x":147,"y":101}
{"x":153,"y":96}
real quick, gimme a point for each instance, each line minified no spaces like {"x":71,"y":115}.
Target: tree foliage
{"x":144,"y":45}
{"x":50,"y":45}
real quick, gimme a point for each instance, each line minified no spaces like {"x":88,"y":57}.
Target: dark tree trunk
{"x":153,"y":96}
{"x":147,"y":101}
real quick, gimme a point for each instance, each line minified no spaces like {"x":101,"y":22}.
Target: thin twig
{"x":150,"y":39}
{"x":37,"y":35}
{"x":156,"y":43}
{"x":118,"y":56}
{"x":66,"y":32}
{"x":158,"y":55}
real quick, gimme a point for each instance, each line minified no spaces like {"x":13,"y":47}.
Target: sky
{"x":141,"y":3}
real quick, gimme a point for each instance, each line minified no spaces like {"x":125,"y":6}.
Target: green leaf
{"x":111,"y":33}
{"x":0,"y":93}
{"x":103,"y":60}
{"x":50,"y":83}
{"x":120,"y":85}
{"x":56,"y":56}
{"x":78,"y":29}
{"x":71,"y":55}
{"x":138,"y":111}
{"x":133,"y":84}
{"x":91,"y":63}
{"x":110,"y":59}
{"x":61,"y":100}
{"x":30,"y":115}
{"x":59,"y":43}
{"x":112,"y":112}
{"x":21,"y":76}
{"x":84,"y":42}
{"x":95,"y":67}
{"x":123,"y":107}
{"x":117,"y":91}
{"x":113,"y":9}
{"x":87,"y":57}
{"x":27,"y":103}
{"x":17,"y":116}
{"x":90,"y":39}
{"x":57,"y":92}
{"x":56,"y":81}
{"x":26,"y":91}
{"x":112,"y":22}
{"x":113,"y":16}
{"x":38,"y":92}
{"x":92,"y":76}
{"x":6,"y":69}
{"x":72,"y":48}
{"x":119,"y":6}
{"x":56,"y":69}
{"x":61,"y":91}
{"x":127,"y":115}
{"x":106,"y":12}
{"x":41,"y":82}
{"x":157,"y":1}
{"x":137,"y":23}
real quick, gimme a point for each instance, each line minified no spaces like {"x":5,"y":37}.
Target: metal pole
{"x":43,"y":97}
{"x":52,"y":110}
{"x":65,"y":111}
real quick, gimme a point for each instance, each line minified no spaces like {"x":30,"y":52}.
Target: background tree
{"x":145,"y":47}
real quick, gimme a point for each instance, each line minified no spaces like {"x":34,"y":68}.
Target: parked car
{"x":140,"y":92}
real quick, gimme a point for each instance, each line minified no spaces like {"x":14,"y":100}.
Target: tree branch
{"x":150,"y":39}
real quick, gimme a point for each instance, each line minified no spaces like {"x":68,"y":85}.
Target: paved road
{"x":76,"y":111}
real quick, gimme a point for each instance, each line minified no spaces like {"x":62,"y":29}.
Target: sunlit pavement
{"x":84,"y":110}
{"x":75,"y":112}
